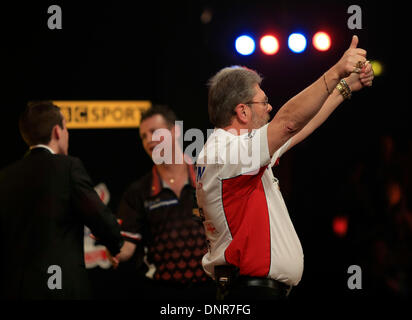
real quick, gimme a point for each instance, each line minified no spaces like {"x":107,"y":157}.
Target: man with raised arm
{"x":254,"y":251}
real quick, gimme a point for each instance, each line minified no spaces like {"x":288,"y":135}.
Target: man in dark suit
{"x":46,"y":198}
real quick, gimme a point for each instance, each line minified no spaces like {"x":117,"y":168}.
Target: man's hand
{"x":113,"y":260}
{"x":364,"y":79}
{"x":349,"y":61}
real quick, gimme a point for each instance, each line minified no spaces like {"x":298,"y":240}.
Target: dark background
{"x":161,"y":51}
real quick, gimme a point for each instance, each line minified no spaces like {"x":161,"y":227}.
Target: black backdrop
{"x":163,"y":52}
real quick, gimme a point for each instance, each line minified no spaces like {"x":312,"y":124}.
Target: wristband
{"x":344,"y":89}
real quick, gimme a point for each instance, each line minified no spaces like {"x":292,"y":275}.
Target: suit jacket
{"x":45,"y":201}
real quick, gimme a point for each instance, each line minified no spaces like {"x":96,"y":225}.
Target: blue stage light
{"x":297,"y":42}
{"x":245,"y":45}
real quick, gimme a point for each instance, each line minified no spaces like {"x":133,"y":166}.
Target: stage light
{"x":245,"y":45}
{"x":297,"y":42}
{"x":377,"y":67}
{"x":321,"y":41}
{"x":340,"y":225}
{"x":269,"y":44}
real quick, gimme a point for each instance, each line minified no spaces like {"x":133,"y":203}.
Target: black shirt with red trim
{"x":170,"y":241}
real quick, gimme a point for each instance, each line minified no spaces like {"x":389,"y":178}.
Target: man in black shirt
{"x":156,"y":212}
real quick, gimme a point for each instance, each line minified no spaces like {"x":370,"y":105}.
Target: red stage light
{"x":269,"y":44}
{"x":340,"y":225}
{"x":321,"y":41}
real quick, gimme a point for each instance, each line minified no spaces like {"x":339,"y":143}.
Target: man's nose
{"x":269,"y":107}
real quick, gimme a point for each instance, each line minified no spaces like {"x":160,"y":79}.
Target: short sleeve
{"x":243,"y":154}
{"x":279,"y":152}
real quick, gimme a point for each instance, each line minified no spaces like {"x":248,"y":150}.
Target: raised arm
{"x":295,"y":114}
{"x":355,"y":83}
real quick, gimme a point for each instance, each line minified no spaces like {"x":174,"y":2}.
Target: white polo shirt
{"x":246,"y":221}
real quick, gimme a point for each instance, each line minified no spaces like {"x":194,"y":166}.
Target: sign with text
{"x":102,"y":114}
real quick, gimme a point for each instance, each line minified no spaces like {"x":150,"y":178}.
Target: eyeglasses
{"x":265,"y":103}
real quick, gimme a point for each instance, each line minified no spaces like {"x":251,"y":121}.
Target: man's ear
{"x":56,"y":132}
{"x":242,"y":112}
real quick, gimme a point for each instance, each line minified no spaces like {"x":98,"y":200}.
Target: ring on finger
{"x":356,"y":70}
{"x":360,"y":64}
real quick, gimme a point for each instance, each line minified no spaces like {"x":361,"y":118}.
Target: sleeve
{"x":96,"y":216}
{"x":276,"y":156}
{"x":131,"y":216}
{"x":244,"y":154}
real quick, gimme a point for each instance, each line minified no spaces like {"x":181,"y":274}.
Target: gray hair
{"x":227,"y":88}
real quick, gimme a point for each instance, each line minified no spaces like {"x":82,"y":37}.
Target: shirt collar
{"x":157,"y":184}
{"x":42,"y":146}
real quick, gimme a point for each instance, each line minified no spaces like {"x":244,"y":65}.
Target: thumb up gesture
{"x":353,"y":60}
